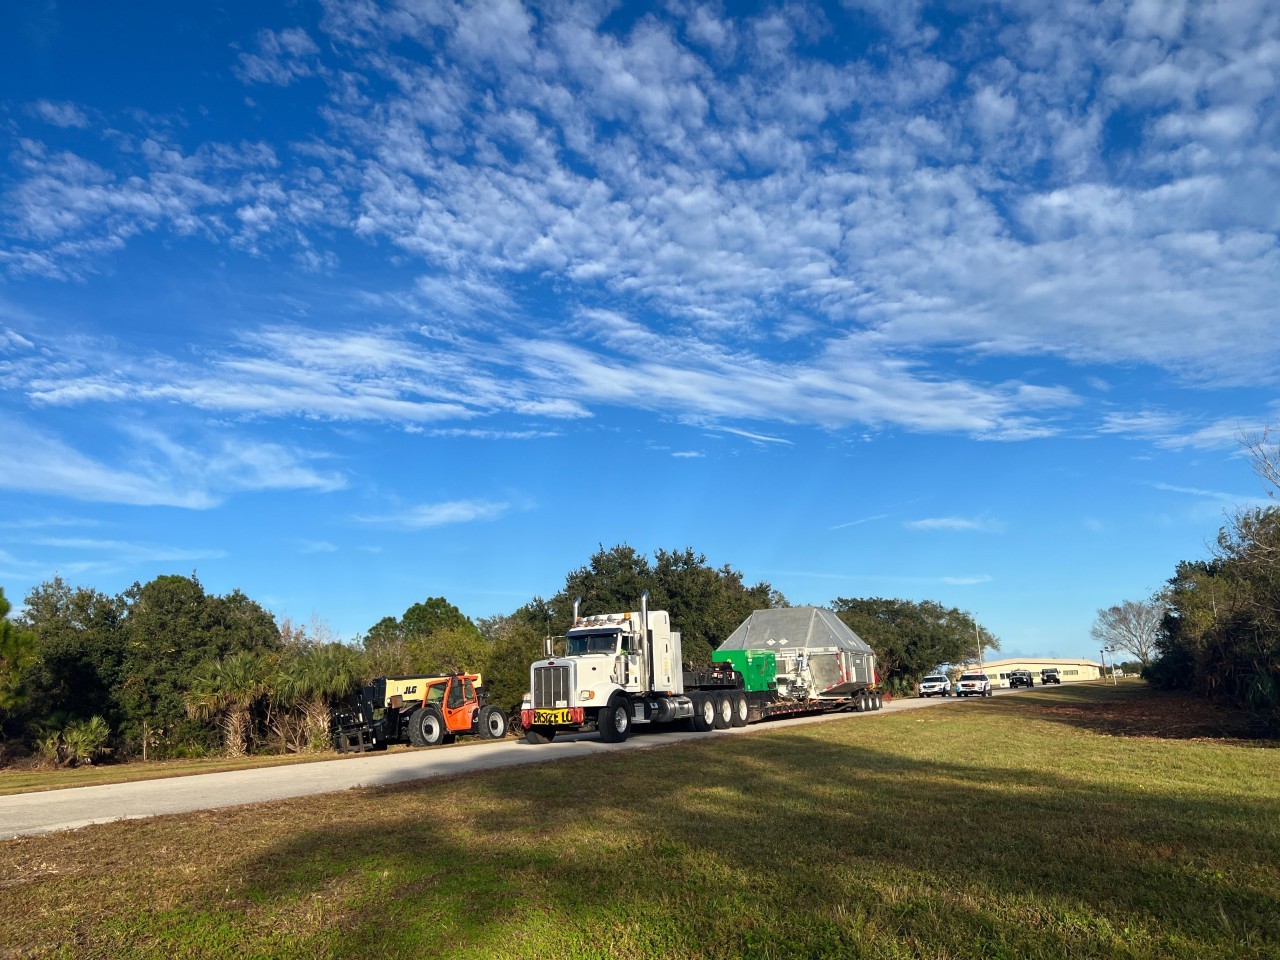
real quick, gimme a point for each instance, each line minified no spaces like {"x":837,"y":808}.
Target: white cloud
{"x":60,"y":114}
{"x":155,"y":470}
{"x":716,"y":180}
{"x":1173,"y":431}
{"x":128,"y":552}
{"x":52,"y":467}
{"x":860,"y":521}
{"x":448,"y":512}
{"x":279,"y":59}
{"x":956,"y":524}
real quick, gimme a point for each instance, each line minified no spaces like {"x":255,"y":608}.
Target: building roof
{"x":1013,"y":661}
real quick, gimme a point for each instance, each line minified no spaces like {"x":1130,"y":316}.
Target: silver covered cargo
{"x":818,"y":656}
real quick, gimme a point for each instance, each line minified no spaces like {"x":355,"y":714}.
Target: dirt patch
{"x":1165,"y":716}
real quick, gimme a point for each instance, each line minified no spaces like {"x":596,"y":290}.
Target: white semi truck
{"x":620,"y":670}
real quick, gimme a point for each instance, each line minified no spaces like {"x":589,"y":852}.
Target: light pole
{"x":1112,"y":651}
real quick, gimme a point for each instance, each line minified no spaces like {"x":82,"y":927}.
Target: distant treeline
{"x":166,"y":669}
{"x":1220,"y":635}
{"x":1214,"y":628}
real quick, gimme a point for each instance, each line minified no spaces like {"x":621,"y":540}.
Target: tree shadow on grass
{"x":792,"y":844}
{"x":1134,"y":710}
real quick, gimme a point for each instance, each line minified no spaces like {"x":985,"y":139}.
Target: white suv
{"x":973,"y":684}
{"x":935,"y":685}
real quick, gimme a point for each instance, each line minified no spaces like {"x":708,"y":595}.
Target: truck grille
{"x":551,"y":684}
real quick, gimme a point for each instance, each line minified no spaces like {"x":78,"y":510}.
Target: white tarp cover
{"x":802,"y":628}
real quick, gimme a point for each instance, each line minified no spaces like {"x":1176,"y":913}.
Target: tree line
{"x":1214,"y":627}
{"x":166,"y":669}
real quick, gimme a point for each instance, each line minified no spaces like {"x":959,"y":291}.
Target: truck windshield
{"x":593,"y":643}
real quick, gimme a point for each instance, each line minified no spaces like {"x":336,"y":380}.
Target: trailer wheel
{"x":724,"y":711}
{"x":704,"y":713}
{"x":426,"y":727}
{"x":540,"y":734}
{"x":741,"y":710}
{"x":879,"y":702}
{"x":492,"y":723}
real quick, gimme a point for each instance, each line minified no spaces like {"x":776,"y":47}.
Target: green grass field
{"x":1082,"y":822}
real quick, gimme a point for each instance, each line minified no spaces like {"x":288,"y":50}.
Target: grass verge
{"x":1052,"y":824}
{"x":35,"y":780}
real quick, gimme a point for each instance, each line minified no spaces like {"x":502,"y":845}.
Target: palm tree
{"x":86,"y":740}
{"x":316,"y":678}
{"x":226,"y":690}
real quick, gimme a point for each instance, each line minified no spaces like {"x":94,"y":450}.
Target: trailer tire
{"x":724,"y":711}
{"x":704,"y":713}
{"x":426,"y":727}
{"x":614,"y":720}
{"x":741,"y":710}
{"x":492,"y":723}
{"x":539,"y":734}
{"x":879,"y":702}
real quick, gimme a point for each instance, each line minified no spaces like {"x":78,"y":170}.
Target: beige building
{"x":1070,"y":670}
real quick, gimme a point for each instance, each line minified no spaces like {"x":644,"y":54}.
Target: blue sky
{"x":347,"y":305}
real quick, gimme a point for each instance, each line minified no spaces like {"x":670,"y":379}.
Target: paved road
{"x":34,"y":813}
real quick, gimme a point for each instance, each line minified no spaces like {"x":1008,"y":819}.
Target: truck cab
{"x":623,"y":665}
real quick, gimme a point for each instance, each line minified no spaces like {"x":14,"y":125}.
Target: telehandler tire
{"x":492,"y":723}
{"x":426,"y":727}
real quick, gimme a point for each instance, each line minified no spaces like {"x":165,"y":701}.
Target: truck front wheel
{"x":540,"y":734}
{"x":614,"y":720}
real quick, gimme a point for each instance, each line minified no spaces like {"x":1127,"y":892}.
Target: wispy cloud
{"x":736,"y":230}
{"x":956,"y":524}
{"x":967,"y":581}
{"x":124,"y":552}
{"x":439,"y":514}
{"x":279,"y":58}
{"x":153,"y":469}
{"x":60,"y":113}
{"x":1174,"y":431}
{"x":860,"y":521}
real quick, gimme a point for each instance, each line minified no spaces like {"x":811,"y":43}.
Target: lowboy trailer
{"x":620,"y":670}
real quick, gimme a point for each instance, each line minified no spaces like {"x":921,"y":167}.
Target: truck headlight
{"x":586,"y":694}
